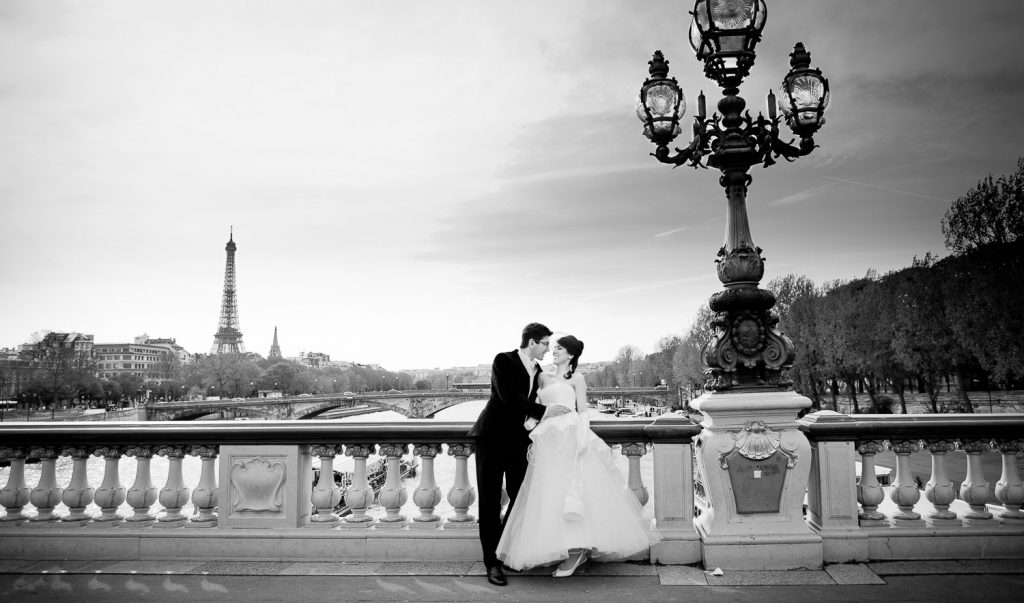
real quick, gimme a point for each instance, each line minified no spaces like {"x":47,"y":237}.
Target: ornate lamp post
{"x":752,"y":461}
{"x":747,"y":351}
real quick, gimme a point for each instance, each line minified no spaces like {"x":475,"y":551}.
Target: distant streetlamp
{"x":334,"y":386}
{"x":641,"y":378}
{"x":634,"y":379}
{"x":747,"y":349}
{"x":446,"y":381}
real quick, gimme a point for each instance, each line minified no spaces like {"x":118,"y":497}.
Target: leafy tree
{"x":991,"y":212}
{"x":627,"y":362}
{"x":922,"y":339}
{"x":981,"y":289}
{"x":797,"y":299}
{"x":688,"y":361}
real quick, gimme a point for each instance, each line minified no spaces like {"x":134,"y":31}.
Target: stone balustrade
{"x":859,"y":519}
{"x":256,"y":498}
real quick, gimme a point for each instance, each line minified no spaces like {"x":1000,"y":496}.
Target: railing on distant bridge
{"x":418,"y":404}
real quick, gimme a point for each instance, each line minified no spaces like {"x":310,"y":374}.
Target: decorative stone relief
{"x":257,"y":484}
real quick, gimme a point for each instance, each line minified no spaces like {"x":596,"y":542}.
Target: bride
{"x":574,"y":503}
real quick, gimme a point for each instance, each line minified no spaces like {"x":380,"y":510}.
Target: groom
{"x":501,"y":438}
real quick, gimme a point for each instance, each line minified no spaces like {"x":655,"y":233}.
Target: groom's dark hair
{"x":534,"y":331}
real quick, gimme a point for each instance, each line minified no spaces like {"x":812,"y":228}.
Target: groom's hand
{"x":554,"y":411}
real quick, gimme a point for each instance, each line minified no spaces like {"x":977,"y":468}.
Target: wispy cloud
{"x":885,"y":188}
{"x":671,"y":232}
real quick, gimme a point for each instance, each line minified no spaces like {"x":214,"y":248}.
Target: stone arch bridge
{"x":413,"y":404}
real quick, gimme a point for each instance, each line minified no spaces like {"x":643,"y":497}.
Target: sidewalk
{"x":988,"y":580}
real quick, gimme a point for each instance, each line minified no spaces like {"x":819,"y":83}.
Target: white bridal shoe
{"x":570,"y":565}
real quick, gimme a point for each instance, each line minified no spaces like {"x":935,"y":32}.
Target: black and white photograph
{"x":463,"y":300}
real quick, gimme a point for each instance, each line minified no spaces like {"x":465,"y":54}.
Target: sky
{"x":409,"y":183}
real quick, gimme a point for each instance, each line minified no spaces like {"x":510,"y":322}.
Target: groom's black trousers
{"x":496,"y":459}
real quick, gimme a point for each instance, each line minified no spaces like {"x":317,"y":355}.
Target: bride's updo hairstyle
{"x":575,"y":347}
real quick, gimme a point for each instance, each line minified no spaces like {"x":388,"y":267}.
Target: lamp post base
{"x":753,"y":466}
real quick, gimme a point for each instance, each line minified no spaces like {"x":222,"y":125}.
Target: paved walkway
{"x":124,"y":581}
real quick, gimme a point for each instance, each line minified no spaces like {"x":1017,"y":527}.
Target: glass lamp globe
{"x":723,"y":34}
{"x":661,"y":103}
{"x":805,"y":94}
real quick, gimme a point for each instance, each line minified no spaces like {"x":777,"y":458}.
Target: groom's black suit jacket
{"x":513,"y":398}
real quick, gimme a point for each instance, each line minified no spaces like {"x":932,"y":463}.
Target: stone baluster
{"x":326,"y":494}
{"x":904,"y":491}
{"x":175,"y":493}
{"x":1009,"y":489}
{"x":47,"y":494}
{"x":975,"y":491}
{"x":427,"y":494}
{"x":462,"y":495}
{"x":359,"y":495}
{"x":142,"y":494}
{"x":940,"y":491}
{"x":79,"y":494}
{"x":633,"y":452}
{"x":869,"y":492}
{"x":204,"y":497}
{"x":14,"y":495}
{"x":392,"y":495}
{"x":111,"y":494}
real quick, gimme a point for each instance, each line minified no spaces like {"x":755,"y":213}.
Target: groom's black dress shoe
{"x":495,"y":576}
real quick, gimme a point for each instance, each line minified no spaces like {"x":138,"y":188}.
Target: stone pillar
{"x":205,"y":497}
{"x":462,"y":495}
{"x":633,"y":451}
{"x":359,"y":495}
{"x":939,"y":490}
{"x":111,"y":494}
{"x":754,"y":467}
{"x":904,"y":491}
{"x":673,"y":503}
{"x":14,"y":496}
{"x":264,"y":486}
{"x":1009,"y":489}
{"x":832,"y":495}
{"x":427,"y":494}
{"x":326,"y":494}
{"x":175,"y":493}
{"x":392,"y":495}
{"x":975,"y":491}
{"x":869,"y":492}
{"x":47,"y":494}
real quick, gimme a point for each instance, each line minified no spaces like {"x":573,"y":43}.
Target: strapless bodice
{"x":562,"y":394}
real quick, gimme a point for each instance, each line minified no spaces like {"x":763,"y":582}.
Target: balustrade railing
{"x":257,"y":478}
{"x":859,"y":519}
{"x":256,"y":495}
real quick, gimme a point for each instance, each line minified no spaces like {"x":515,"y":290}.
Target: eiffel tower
{"x":228,"y":339}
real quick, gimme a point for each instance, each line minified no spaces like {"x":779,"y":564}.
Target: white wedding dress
{"x":564,"y":453}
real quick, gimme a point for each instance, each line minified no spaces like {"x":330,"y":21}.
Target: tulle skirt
{"x":608,"y":519}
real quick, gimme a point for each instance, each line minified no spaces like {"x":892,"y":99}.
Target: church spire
{"x":275,"y":350}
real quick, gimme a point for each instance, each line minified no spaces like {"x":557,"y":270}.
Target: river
{"x":444,"y":467}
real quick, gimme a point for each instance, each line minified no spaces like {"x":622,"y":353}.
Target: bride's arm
{"x":580,"y":384}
